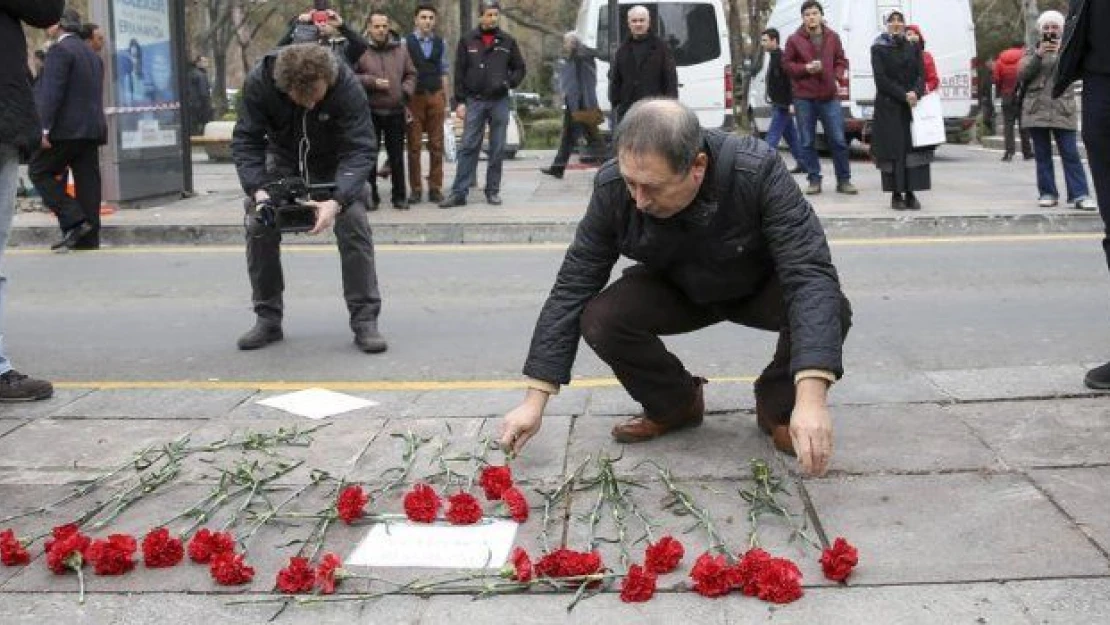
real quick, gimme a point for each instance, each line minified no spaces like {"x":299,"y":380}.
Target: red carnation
{"x":712,"y":575}
{"x":838,"y":561}
{"x":638,"y":586}
{"x":779,"y":581}
{"x":228,"y":569}
{"x":517,"y":504}
{"x":326,"y":573}
{"x":495,"y":481}
{"x":748,"y":568}
{"x":12,"y":552}
{"x":350,"y":503}
{"x":160,"y":550}
{"x":463,"y":509}
{"x":663,"y":556}
{"x":113,"y":555}
{"x":519,"y":568}
{"x":297,"y":577}
{"x":422,"y":504}
{"x":568,"y":563}
{"x":66,"y":550}
{"x":207,"y":544}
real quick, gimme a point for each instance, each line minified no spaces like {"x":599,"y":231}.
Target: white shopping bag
{"x":449,"y":147}
{"x":928,"y":122}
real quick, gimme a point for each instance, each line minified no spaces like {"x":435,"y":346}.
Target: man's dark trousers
{"x":479,"y":113}
{"x":1011,"y":116}
{"x":391,"y":131}
{"x":1096,"y":138}
{"x":624,"y":322}
{"x":356,"y":255}
{"x":48,"y":172}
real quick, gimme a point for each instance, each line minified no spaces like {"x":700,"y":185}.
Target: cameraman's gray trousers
{"x":356,"y":253}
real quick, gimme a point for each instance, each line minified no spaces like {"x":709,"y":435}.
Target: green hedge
{"x":543,"y":133}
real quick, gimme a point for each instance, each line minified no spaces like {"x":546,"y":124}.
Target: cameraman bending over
{"x":307,"y":114}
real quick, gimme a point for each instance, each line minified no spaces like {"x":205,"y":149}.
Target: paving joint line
{"x":1080,"y":527}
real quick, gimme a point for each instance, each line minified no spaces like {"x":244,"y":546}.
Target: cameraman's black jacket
{"x":341,"y":143}
{"x":715,"y":250}
{"x":350,"y":46}
{"x":487,"y":73}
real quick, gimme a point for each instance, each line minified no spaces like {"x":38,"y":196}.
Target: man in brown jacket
{"x":387,"y":73}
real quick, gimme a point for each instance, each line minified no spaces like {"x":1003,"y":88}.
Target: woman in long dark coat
{"x":899,"y":84}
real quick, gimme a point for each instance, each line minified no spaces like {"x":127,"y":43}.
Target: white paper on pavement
{"x":317,"y":403}
{"x":405,"y":544}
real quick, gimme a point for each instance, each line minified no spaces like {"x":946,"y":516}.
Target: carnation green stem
{"x":684,"y":499}
{"x":80,"y":586}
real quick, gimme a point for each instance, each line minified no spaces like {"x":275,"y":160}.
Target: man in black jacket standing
{"x":720,"y":232}
{"x":1086,"y":55}
{"x":70,"y":99}
{"x":488,"y":64}
{"x":781,"y":99}
{"x":306,"y":115}
{"x":19,"y":135}
{"x":644,"y":66}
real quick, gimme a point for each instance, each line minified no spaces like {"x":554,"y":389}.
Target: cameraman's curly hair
{"x":299,"y":67}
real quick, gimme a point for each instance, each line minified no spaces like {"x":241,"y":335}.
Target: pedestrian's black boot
{"x":14,"y":386}
{"x":554,"y":171}
{"x":262,"y":334}
{"x":1098,"y":378}
{"x":370,"y":340}
{"x":72,"y":236}
{"x":912,"y":203}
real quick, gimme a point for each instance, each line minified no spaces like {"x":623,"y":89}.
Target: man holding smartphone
{"x":815,"y":60}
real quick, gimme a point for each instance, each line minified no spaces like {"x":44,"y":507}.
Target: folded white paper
{"x":317,"y":403}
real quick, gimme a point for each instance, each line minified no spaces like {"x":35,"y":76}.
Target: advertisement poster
{"x":146,"y":86}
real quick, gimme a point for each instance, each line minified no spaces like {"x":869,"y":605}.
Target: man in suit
{"x":70,"y":99}
{"x":19,"y":134}
{"x":644,"y":66}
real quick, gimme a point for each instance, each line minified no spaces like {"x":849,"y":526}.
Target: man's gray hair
{"x":661,"y":126}
{"x":572,"y":37}
{"x":639,"y":8}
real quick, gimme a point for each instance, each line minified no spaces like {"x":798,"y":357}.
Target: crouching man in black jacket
{"x":721,"y":233}
{"x":306,"y":116}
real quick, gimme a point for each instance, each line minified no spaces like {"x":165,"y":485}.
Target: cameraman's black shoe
{"x":370,"y":340}
{"x":262,"y":334}
{"x":14,"y":386}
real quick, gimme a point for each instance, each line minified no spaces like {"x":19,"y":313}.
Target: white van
{"x":698,"y":35}
{"x":949,"y":36}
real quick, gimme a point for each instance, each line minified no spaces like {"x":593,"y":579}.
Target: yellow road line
{"x":340,"y":385}
{"x":544,"y":247}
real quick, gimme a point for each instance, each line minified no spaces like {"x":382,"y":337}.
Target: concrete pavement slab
{"x":1083,"y":494}
{"x":534,"y":609}
{"x":1065,"y":602}
{"x":720,"y":448}
{"x":10,"y":425}
{"x":885,"y":388}
{"x":447,"y":438}
{"x":45,"y":408}
{"x":1011,"y":382}
{"x":334,"y":448}
{"x":720,"y":499}
{"x":719,"y":397}
{"x":905,"y":438}
{"x":52,"y":451}
{"x":390,"y":404}
{"x":1042,"y":433}
{"x":154,"y":404}
{"x":952,"y":528}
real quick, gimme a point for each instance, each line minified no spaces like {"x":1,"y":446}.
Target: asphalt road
{"x":466,"y":313}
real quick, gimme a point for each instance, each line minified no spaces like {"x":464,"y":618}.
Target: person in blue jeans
{"x":781,"y":100}
{"x":815,"y":61}
{"x":488,"y":63}
{"x":1047,"y":118}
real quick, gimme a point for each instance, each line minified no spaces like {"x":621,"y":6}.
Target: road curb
{"x":563,"y":231}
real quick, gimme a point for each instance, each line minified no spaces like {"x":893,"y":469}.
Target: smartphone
{"x":1050,"y":37}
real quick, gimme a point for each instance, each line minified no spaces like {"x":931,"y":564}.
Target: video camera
{"x":312,"y":32}
{"x":287,"y":209}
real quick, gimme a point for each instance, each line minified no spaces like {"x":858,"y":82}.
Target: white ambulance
{"x":949,"y":36}
{"x":698,"y":35}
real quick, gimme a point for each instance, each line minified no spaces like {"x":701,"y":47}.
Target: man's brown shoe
{"x":779,"y":433}
{"x":642,"y":428}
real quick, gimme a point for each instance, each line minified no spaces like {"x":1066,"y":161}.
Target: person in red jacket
{"x":1006,"y":79}
{"x":932,"y":80}
{"x":814,"y":59}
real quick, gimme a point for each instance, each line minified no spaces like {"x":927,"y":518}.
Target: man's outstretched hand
{"x":522,"y":423}
{"x":811,"y":427}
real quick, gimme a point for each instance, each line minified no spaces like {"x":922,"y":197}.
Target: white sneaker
{"x":1047,"y":202}
{"x":1085,"y":204}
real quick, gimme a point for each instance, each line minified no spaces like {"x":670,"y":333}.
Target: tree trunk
{"x":1031,"y":14}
